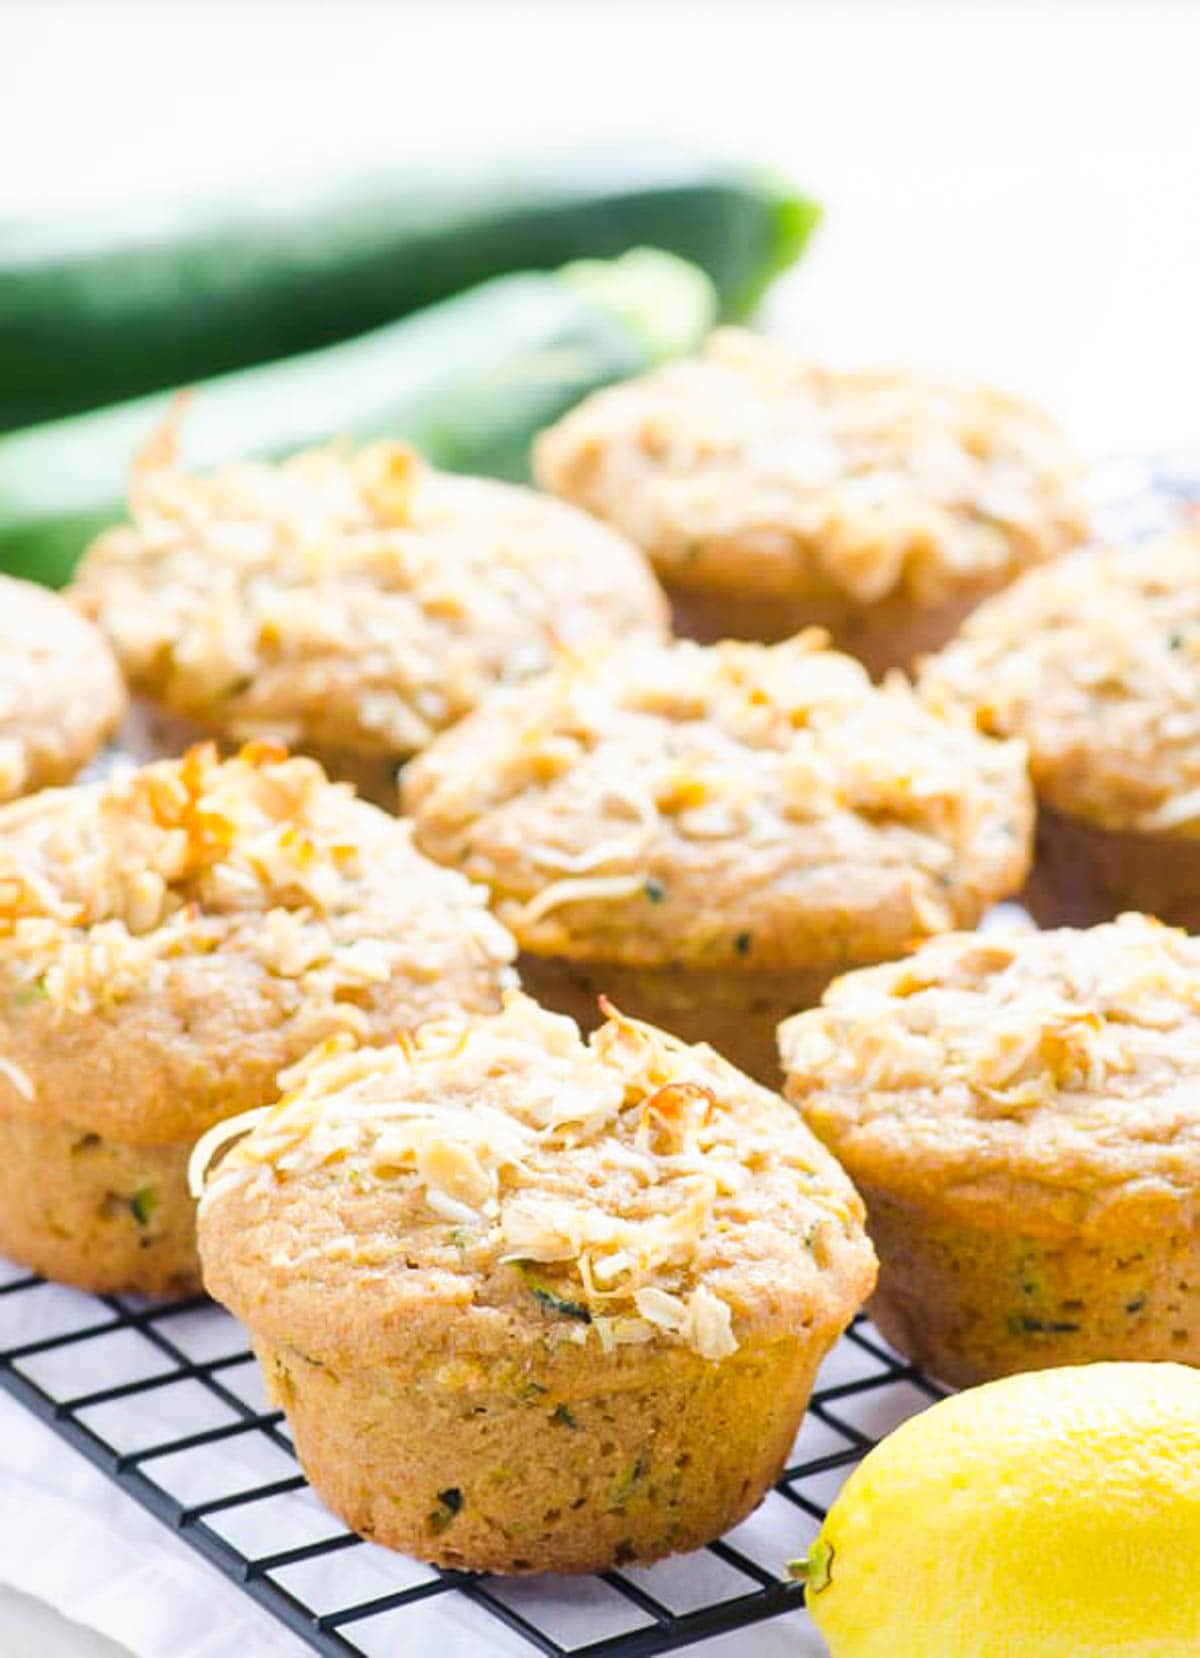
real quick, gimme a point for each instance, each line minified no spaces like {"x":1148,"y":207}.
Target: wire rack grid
{"x":167,"y":1401}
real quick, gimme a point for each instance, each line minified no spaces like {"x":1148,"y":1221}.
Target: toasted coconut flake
{"x":480,"y":1118}
{"x":20,"y":1079}
{"x":215,"y":1140}
{"x":1088,"y":1040}
{"x":1094,"y":662}
{"x":682,"y":775}
{"x":582,"y":890}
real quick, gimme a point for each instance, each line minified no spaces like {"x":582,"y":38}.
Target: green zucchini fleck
{"x":742,"y":943}
{"x":561,"y":1304}
{"x":655,"y":890}
{"x":143,"y":1204}
{"x":1024,"y":1324}
{"x":551,"y":1298}
{"x":306,"y":1358}
{"x":564,"y":1417}
{"x":34,"y":991}
{"x":450,"y":1503}
{"x":628,"y":1481}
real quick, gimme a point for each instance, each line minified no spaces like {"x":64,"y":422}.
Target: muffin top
{"x":1095,"y":663}
{"x":61,"y":694}
{"x":358,"y":601}
{"x":604,"y":1196}
{"x":169,"y":941}
{"x":751,"y":469}
{"x":743,"y":807}
{"x":1009,"y":1070}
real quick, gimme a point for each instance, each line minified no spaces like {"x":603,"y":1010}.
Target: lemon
{"x":1049,"y":1515}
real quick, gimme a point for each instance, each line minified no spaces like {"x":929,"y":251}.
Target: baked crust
{"x":1018,"y":1111}
{"x":656,"y":1453}
{"x":538,"y":1275}
{"x":61,"y":693}
{"x":742,"y":809}
{"x":1094,"y":662}
{"x":108,"y":1216}
{"x":735,"y":1013}
{"x":753,"y":475}
{"x":350,"y":603}
{"x":170,"y":940}
{"x":1082,"y":874}
{"x":969,"y":1300}
{"x":893,"y":633}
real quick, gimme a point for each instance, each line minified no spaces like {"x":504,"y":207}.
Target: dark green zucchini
{"x":469,"y":381}
{"x":99,"y":308}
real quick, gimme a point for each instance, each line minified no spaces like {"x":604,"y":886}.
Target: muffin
{"x":1019,"y":1112}
{"x":168,"y":942}
{"x":530,"y":1304}
{"x":61,"y":694}
{"x":772,"y":494}
{"x":1095,"y":664}
{"x":708,"y":834}
{"x":350,"y":604}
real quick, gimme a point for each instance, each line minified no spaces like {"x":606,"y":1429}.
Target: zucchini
{"x":100,"y":308}
{"x":469,"y":382}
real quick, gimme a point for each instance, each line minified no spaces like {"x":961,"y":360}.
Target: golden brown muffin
{"x":1019,"y":1111}
{"x":532,"y":1305}
{"x":772,"y":494}
{"x":1095,"y":664}
{"x":350,"y":604}
{"x":707,"y":834}
{"x":167,"y":943}
{"x":61,"y":694}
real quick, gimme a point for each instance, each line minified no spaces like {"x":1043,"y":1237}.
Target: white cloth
{"x":75,"y":1540}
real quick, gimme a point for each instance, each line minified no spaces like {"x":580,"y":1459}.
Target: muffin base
{"x":99,"y":1214}
{"x":735,"y":1013}
{"x":968,"y":1302}
{"x":653,"y":1452}
{"x":374,"y":777}
{"x":1082,"y":875}
{"x":150,"y":733}
{"x":889,"y":634}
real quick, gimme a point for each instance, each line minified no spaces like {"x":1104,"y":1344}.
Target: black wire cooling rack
{"x":167,"y":1400}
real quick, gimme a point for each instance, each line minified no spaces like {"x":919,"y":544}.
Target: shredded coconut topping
{"x":1051,"y":1050}
{"x":606,"y":1175}
{"x":1095,"y":663}
{"x":356,"y":601}
{"x":102,"y":886}
{"x":714,"y":805}
{"x":755,"y":470}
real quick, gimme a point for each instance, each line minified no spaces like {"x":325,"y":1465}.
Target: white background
{"x":1013,"y":190}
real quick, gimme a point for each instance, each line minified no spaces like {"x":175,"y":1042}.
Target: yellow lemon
{"x":1049,"y":1515}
